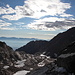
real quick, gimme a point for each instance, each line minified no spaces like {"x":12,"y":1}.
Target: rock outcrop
{"x":8,"y":57}
{"x":67,"y":58}
{"x":6,"y":54}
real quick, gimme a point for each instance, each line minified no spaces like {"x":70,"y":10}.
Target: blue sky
{"x":41,"y":19}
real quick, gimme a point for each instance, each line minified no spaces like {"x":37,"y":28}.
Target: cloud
{"x":6,"y":10}
{"x":41,"y":34}
{"x":66,"y":15}
{"x":46,"y":7}
{"x":12,"y":17}
{"x":7,"y":28}
{"x":7,"y":6}
{"x":3,"y":23}
{"x":35,"y":9}
{"x":11,"y":26}
{"x":51,"y":24}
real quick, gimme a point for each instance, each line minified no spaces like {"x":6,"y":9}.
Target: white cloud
{"x":7,"y":6}
{"x":3,"y":23}
{"x":66,"y":15}
{"x":12,"y":17}
{"x":35,"y":9}
{"x":51,"y":24}
{"x":11,"y":26}
{"x":42,"y":8}
{"x":42,"y":34}
{"x":38,"y":9}
{"x":7,"y":10}
{"x":7,"y":28}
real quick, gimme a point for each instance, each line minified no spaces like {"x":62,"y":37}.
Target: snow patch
{"x":23,"y":72}
{"x":42,"y":55}
{"x":20,"y":63}
{"x":6,"y":67}
{"x":31,"y":68}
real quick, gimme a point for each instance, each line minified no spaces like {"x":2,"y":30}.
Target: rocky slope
{"x":67,"y":58}
{"x":12,"y":61}
{"x":7,"y":59}
{"x":59,"y":42}
{"x":52,"y":47}
{"x":64,"y":65}
{"x":7,"y":55}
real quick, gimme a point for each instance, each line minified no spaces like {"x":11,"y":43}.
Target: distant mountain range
{"x":10,"y":38}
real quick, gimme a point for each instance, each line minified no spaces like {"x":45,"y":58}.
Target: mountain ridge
{"x":18,"y":38}
{"x":33,"y":46}
{"x":55,"y":45}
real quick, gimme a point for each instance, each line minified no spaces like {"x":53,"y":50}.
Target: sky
{"x":42,"y":19}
